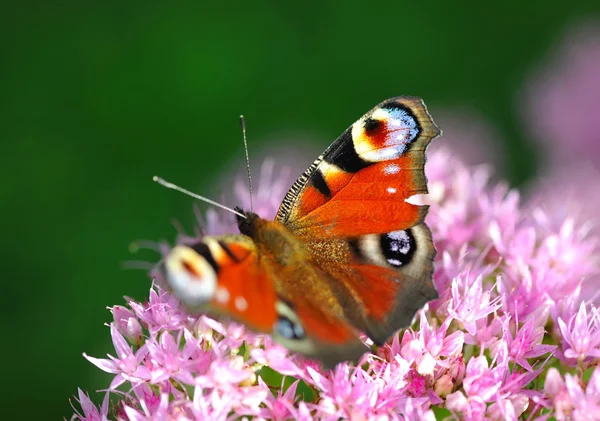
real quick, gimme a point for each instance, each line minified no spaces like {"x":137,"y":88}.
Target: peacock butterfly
{"x":346,"y":252}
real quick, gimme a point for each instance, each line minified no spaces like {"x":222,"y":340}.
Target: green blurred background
{"x":96,"y":97}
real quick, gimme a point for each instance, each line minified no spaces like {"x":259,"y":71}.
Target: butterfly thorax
{"x":272,"y":238}
{"x":291,"y":266}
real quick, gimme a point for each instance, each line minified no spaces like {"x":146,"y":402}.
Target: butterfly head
{"x":249,"y":223}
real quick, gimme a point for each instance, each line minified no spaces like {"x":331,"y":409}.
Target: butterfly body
{"x":346,"y":253}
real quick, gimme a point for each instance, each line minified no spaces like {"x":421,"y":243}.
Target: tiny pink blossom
{"x":526,"y":343}
{"x":429,"y":347}
{"x":147,"y":413}
{"x":586,"y":404}
{"x":89,"y":411}
{"x":127,"y":323}
{"x":129,"y":364}
{"x":278,"y":359}
{"x":281,"y":406}
{"x":470,"y":302}
{"x":581,"y":335}
{"x":170,"y":360}
{"x":163,"y":311}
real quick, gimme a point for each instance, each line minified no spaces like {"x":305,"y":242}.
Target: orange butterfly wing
{"x":222,"y":274}
{"x":360,"y":184}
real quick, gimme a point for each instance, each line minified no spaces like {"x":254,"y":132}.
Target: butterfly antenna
{"x":172,"y":186}
{"x":243,"y":124}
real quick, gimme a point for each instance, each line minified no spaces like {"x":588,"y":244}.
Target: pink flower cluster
{"x":511,"y":336}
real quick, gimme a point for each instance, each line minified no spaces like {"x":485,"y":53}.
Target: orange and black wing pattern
{"x":360,"y":184}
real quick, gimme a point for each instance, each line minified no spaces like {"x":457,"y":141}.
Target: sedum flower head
{"x":511,"y":336}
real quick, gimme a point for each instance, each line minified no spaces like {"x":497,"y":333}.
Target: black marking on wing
{"x":354,"y":245}
{"x":344,"y":155}
{"x":319,"y":183}
{"x":371,"y":125}
{"x":227,"y":250}
{"x":203,"y":250}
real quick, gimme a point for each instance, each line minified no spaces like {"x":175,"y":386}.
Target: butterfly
{"x":346,"y":253}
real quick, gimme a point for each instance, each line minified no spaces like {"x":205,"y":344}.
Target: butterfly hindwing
{"x":306,"y":328}
{"x":388,"y":277}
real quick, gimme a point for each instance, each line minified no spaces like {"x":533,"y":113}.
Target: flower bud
{"x":443,"y":387}
{"x":127,"y":324}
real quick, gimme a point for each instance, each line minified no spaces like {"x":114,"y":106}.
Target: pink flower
{"x":163,"y":311}
{"x":281,"y":406}
{"x":278,"y":359}
{"x":581,"y":335}
{"x":481,"y":386}
{"x":557,"y":391}
{"x":481,"y":381}
{"x":146,"y":413}
{"x":170,"y":361}
{"x":429,"y":347}
{"x":128,"y":366}
{"x":127,"y":323}
{"x":526,"y":343}
{"x":568,"y":397}
{"x":470,"y":302}
{"x":90,"y":411}
{"x":586,"y":404}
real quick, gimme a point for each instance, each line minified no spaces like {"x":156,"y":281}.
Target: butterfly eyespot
{"x":385,"y":134}
{"x":403,"y":121}
{"x":287,"y":325}
{"x":288,"y":329}
{"x":191,"y":273}
{"x":398,"y":247}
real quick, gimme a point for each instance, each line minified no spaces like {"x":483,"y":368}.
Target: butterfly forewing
{"x":223,"y":274}
{"x":360,"y":183}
